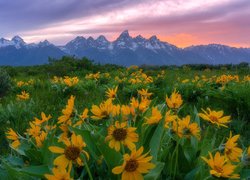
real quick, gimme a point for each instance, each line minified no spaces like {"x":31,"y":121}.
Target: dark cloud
{"x":228,"y":21}
{"x":30,"y":14}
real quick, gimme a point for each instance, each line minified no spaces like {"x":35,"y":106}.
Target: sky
{"x":179,"y":22}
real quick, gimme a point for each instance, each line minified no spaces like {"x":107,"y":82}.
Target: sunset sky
{"x":180,"y":22}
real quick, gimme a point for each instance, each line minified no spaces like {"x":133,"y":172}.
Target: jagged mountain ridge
{"x":125,"y":50}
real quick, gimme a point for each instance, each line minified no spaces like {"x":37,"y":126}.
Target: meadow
{"x":73,"y":119}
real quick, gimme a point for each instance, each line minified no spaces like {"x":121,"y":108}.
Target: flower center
{"x":104,"y":113}
{"x":175,"y":105}
{"x":228,"y":151}
{"x":120,"y":134}
{"x":186,"y":131}
{"x":213,"y":118}
{"x":131,"y":165}
{"x":73,"y":114}
{"x":72,"y":152}
{"x":218,"y":169}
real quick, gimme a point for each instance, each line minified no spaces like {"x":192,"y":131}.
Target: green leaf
{"x":197,"y":118}
{"x":89,"y":140}
{"x":189,"y":153}
{"x":245,"y":174}
{"x":156,"y":172}
{"x":15,"y":161}
{"x":155,"y":141}
{"x":13,"y":173}
{"x":3,"y":173}
{"x":37,"y":171}
{"x":111,"y":157}
{"x":191,"y":174}
{"x":47,"y":155}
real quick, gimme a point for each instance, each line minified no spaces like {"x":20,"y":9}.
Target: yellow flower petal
{"x":56,"y":149}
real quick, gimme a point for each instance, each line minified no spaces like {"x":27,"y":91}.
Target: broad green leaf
{"x":111,"y":157}
{"x":46,"y":153}
{"x":245,"y":174}
{"x":90,"y":142}
{"x":14,"y":173}
{"x":155,"y":141}
{"x":38,"y":171}
{"x":156,"y":172}
{"x":191,"y":175}
{"x":15,"y":161}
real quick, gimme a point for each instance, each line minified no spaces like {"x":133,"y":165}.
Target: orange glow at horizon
{"x":185,"y":40}
{"x":181,"y":40}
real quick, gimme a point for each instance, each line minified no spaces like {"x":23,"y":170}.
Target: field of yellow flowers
{"x":127,"y":124}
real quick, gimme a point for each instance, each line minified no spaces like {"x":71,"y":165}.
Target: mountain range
{"x":125,"y":50}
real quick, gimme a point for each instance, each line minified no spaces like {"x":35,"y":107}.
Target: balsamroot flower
{"x":70,"y":153}
{"x":103,"y":110}
{"x":184,"y":128}
{"x":134,"y":165}
{"x":119,"y":134}
{"x":70,"y":81}
{"x":144,"y":93}
{"x":169,"y":118}
{"x":215,"y":117}
{"x":83,"y":116}
{"x":220,"y":167}
{"x":175,"y":101}
{"x":12,"y":135}
{"x":68,"y":112}
{"x":111,"y":93}
{"x":58,"y":174}
{"x":232,"y":152}
{"x":155,"y":116}
{"x":23,"y":96}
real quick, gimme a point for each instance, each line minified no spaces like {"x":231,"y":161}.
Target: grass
{"x":46,"y":96}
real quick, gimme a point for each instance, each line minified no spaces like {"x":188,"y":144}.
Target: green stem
{"x":176,"y":158}
{"x":87,"y":168}
{"x":123,"y":150}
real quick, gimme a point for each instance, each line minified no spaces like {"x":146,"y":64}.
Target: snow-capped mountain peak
{"x":5,"y":42}
{"x":124,"y":36}
{"x":17,"y":40}
{"x":102,"y":42}
{"x":45,"y":43}
{"x":78,"y":38}
{"x":125,"y":50}
{"x":102,"y":38}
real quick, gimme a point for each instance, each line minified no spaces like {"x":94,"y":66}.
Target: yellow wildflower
{"x":34,"y":130}
{"x":144,"y":104}
{"x":111,"y":93}
{"x":175,"y":100}
{"x":134,"y":165}
{"x":220,"y":167}
{"x":169,"y":118}
{"x":70,"y":153}
{"x":23,"y":96}
{"x":70,"y":81}
{"x":215,"y":117}
{"x":12,"y":135}
{"x":58,"y":174}
{"x":121,"y":134}
{"x":68,"y":112}
{"x":126,"y":111}
{"x":40,"y":138}
{"x":82,"y":117}
{"x":184,"y":128}
{"x":103,"y":111}
{"x":155,"y":116}
{"x":233,"y":152}
{"x":144,"y":93}
{"x":41,"y":121}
